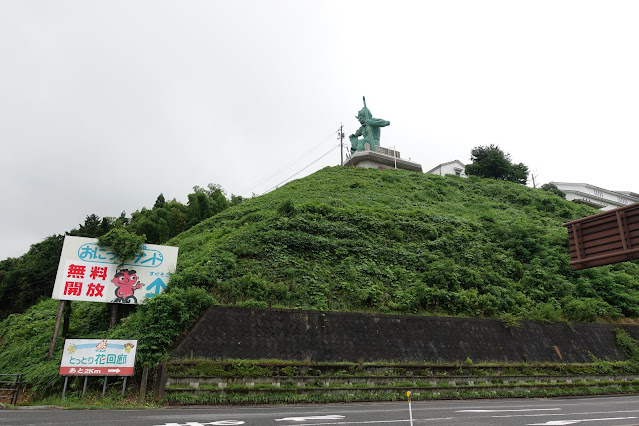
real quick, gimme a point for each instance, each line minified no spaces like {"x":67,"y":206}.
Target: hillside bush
{"x":402,"y":242}
{"x":345,"y":239}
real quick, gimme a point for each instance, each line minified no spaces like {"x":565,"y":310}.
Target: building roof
{"x":446,"y":164}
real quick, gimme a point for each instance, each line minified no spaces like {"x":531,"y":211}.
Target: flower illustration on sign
{"x":128,"y":347}
{"x":71,"y":348}
{"x":102,"y":346}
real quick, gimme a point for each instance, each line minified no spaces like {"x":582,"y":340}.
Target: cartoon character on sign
{"x":126,"y":282}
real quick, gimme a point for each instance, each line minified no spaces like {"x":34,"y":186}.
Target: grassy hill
{"x":397,"y":241}
{"x":356,"y":239}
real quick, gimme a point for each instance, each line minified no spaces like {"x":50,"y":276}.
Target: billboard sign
{"x":98,"y":357}
{"x":88,"y":272}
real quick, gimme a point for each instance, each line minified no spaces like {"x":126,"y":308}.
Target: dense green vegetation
{"x":491,"y":162}
{"x":396,"y":241}
{"x":341,"y":239}
{"x":30,"y":277}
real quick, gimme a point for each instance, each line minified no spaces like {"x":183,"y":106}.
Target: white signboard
{"x":95,"y":357}
{"x":90,"y":273}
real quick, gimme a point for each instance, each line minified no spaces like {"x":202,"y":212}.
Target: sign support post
{"x":56,"y":328}
{"x":114,"y":315}
{"x":64,"y":388}
{"x":67,"y":318}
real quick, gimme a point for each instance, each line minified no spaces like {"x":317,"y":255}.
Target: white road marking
{"x":507,"y":411}
{"x":572,"y":422}
{"x":303,"y":419}
{"x":370,"y":422}
{"x":586,"y":413}
{"x":218,"y":423}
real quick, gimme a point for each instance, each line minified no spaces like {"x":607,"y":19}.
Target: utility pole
{"x":340,"y":136}
{"x":533,"y":179}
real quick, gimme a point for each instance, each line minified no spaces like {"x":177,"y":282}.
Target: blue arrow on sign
{"x":156,"y":287}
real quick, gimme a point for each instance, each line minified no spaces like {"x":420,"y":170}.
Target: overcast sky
{"x":105,"y":105}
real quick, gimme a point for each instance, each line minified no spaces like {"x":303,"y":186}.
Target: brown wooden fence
{"x":605,"y":238}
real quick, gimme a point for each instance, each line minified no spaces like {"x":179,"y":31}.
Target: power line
{"x":324,"y":155}
{"x":317,"y":146}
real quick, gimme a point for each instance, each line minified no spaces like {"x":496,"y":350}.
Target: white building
{"x":603,"y":199}
{"x":454,"y":167}
{"x":381,"y":158}
{"x":594,"y":196}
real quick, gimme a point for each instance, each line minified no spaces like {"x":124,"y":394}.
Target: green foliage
{"x":286,"y":208}
{"x":23,"y":281}
{"x":551,"y":187}
{"x":628,"y":345}
{"x":158,"y":323}
{"x":581,"y":310}
{"x":492,"y":162}
{"x":206,"y":202}
{"x":355,"y":239}
{"x":93,"y":226}
{"x":509,"y":320}
{"x":126,"y":245}
{"x":346,"y":239}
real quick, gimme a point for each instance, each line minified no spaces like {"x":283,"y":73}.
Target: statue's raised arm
{"x":369,"y":130}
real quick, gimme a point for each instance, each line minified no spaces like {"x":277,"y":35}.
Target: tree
{"x":204,"y":203}
{"x":25,"y":279}
{"x":93,"y":227}
{"x":159,"y":202}
{"x":236,"y":200}
{"x":492,"y":162}
{"x":126,"y":245}
{"x":551,"y":187}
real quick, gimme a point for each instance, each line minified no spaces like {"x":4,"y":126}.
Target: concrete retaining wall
{"x":231,"y":332}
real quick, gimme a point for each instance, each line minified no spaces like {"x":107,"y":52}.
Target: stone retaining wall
{"x":250,"y":333}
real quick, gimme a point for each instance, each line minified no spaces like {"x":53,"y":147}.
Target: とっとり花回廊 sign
{"x":98,"y":357}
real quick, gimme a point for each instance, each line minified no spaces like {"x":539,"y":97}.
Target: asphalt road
{"x":606,"y":411}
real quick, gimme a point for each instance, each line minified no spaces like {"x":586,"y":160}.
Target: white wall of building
{"x":455,"y":168}
{"x":603,"y":199}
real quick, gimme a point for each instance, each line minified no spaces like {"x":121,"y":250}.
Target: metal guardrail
{"x":10,"y":385}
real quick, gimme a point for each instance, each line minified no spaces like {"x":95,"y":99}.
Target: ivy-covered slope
{"x":356,"y":239}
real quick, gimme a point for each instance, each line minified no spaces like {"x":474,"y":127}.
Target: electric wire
{"x":261,"y":181}
{"x":295,"y":174}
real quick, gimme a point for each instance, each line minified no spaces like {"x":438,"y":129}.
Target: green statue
{"x":369,"y":130}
